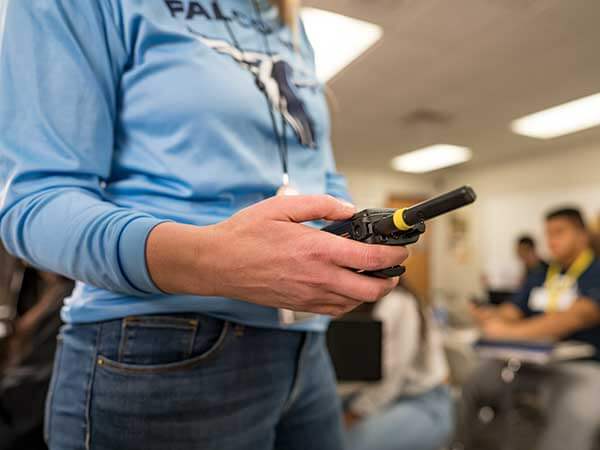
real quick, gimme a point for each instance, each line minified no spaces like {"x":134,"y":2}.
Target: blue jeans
{"x":191,"y":382}
{"x":420,"y":422}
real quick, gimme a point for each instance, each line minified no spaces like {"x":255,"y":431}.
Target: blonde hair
{"x":288,"y":12}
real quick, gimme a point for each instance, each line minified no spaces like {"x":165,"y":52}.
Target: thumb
{"x":303,"y":208}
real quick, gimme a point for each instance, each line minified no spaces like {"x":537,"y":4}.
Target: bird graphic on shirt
{"x":273,"y":76}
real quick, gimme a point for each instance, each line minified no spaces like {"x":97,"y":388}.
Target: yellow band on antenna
{"x":399,"y":220}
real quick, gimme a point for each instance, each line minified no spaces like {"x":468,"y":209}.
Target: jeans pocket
{"x":51,"y":389}
{"x":165,"y":343}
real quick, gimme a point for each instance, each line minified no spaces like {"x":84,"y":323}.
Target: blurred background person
{"x":411,"y":407}
{"x":526,"y":252}
{"x":595,"y":237}
{"x":27,"y":351}
{"x":561,"y":302}
{"x":528,"y":255}
{"x":525,"y":249}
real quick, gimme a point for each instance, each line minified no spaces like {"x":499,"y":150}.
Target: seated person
{"x":528,"y":255}
{"x":526,"y":252}
{"x":410,"y":408}
{"x":596,"y":243}
{"x":561,"y":302}
{"x":34,"y":299}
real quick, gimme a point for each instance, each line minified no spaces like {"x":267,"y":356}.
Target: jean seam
{"x":51,"y":389}
{"x":190,"y":349}
{"x":88,"y":401}
{"x":298,"y":375}
{"x":122,"y":340}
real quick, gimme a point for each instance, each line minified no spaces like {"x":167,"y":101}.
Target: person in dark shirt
{"x":527,"y":253}
{"x":560,"y":302}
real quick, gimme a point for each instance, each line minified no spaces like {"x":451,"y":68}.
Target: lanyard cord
{"x":282,"y":145}
{"x":576,"y":269}
{"x":579,"y":266}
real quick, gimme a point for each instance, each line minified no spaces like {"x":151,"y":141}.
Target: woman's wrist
{"x":179,"y":259}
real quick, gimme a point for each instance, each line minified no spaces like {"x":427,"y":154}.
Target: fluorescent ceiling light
{"x":3,"y":9}
{"x":564,"y":119}
{"x":431,"y":158}
{"x":337,"y":40}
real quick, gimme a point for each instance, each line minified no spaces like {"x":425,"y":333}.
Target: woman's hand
{"x":264,"y":255}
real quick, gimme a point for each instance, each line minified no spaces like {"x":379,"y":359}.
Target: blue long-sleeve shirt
{"x":116,"y":115}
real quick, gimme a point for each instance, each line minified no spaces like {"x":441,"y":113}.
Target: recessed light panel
{"x":560,"y":120}
{"x":431,"y":158}
{"x":337,"y":40}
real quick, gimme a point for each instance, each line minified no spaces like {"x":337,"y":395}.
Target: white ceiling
{"x":475,"y":64}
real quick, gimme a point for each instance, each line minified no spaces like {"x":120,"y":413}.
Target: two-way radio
{"x":399,"y":226}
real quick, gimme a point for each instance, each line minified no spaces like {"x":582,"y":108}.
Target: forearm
{"x":540,"y":328}
{"x":509,"y":312}
{"x":506,"y":312}
{"x":73,"y":232}
{"x":551,"y":326}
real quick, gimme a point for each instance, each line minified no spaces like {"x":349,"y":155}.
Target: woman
{"x":411,"y":407}
{"x":141,"y":144}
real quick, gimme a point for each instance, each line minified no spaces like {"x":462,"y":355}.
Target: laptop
{"x":355,"y":346}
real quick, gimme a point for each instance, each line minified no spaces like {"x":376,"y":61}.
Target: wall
{"x":371,"y":189}
{"x":512,"y":199}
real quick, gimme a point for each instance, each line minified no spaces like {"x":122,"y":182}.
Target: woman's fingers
{"x":335,"y":305}
{"x":358,"y":255}
{"x":304,"y":208}
{"x":361,"y":288}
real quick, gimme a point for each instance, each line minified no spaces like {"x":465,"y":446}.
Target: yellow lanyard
{"x":556,"y":285}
